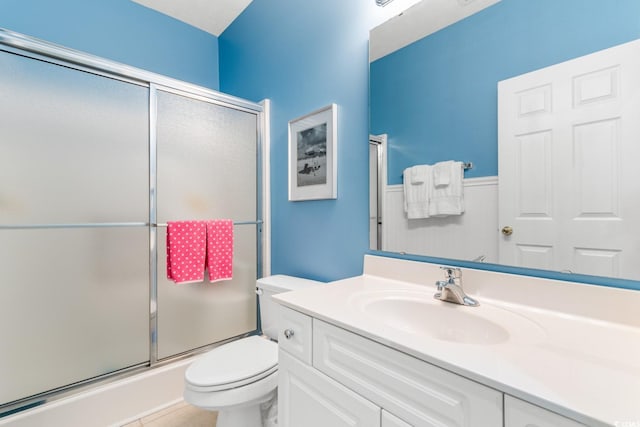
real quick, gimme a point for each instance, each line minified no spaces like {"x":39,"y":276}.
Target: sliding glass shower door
{"x":74,"y":277}
{"x":207,"y":168}
{"x":95,"y":158}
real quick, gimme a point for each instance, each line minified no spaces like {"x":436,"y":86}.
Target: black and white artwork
{"x":312,"y":155}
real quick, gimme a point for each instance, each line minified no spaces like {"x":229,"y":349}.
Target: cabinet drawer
{"x":418,"y":392}
{"x":518,"y":413}
{"x":294,"y":335}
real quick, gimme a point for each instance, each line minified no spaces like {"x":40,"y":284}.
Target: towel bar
{"x":101,"y":225}
{"x":465,"y":166}
{"x":79,"y":225}
{"x":234,"y":223}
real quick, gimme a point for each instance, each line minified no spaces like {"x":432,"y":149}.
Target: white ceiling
{"x":410,"y":19}
{"x":212,"y":16}
{"x":421,"y":19}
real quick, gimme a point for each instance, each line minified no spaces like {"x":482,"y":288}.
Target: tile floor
{"x":179,"y":415}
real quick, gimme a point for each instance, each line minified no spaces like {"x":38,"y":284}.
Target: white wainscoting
{"x":465,"y":236}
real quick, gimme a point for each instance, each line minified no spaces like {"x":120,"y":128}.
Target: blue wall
{"x":437,"y":98}
{"x":304,"y":55}
{"x":120,"y":30}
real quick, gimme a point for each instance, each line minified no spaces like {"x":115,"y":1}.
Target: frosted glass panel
{"x":194,"y":315}
{"x":67,"y":140}
{"x":206,"y":169}
{"x":74,"y":304}
{"x":206,"y":160}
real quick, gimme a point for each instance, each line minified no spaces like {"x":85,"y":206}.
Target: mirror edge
{"x":585,"y":279}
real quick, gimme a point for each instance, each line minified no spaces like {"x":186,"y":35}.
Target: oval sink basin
{"x":419,"y":313}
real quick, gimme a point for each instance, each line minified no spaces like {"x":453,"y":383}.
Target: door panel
{"x":74,"y":305}
{"x":195,"y":315}
{"x":518,"y":413}
{"x":310,"y":399}
{"x":569,"y":184}
{"x":207,"y":160}
{"x":207,"y":169}
{"x":74,"y":299}
{"x":68,"y":139}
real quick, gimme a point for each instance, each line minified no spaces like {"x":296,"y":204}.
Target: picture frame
{"x":313,"y":157}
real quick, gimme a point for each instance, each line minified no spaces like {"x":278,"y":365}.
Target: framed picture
{"x":313,"y":157}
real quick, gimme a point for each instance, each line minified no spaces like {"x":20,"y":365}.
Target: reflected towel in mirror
{"x":416,"y":195}
{"x":447,"y":199}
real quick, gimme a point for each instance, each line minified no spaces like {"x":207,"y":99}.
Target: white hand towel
{"x":419,"y":174}
{"x":416,"y":196}
{"x":442,"y":173}
{"x":448,"y":199}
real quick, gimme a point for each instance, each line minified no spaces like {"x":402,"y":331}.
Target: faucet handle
{"x":441,"y":284}
{"x":452,"y":272}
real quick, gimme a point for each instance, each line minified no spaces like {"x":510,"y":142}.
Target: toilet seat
{"x":233,"y":365}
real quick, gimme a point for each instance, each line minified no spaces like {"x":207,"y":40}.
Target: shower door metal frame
{"x":154,"y":88}
{"x":380,"y":144}
{"x":29,"y":47}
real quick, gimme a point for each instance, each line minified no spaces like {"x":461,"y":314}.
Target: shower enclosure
{"x":95,"y":158}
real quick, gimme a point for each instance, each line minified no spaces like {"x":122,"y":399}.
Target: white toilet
{"x":239,"y":379}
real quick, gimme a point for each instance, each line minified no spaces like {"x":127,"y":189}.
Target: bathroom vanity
{"x":379,"y":350}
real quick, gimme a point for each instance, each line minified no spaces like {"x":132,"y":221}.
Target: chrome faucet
{"x":450,"y":290}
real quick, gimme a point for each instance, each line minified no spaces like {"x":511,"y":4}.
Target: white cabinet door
{"x":422,"y":394}
{"x":389,"y":420}
{"x":308,"y":398}
{"x":518,"y":413}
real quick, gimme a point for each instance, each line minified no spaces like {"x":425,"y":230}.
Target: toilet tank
{"x":271,"y":285}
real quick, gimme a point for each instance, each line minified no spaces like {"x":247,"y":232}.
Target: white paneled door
{"x":569,"y":140}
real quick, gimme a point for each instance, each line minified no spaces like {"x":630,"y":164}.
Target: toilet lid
{"x":233,"y":363}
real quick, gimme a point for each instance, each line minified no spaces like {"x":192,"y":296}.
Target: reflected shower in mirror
{"x":541,"y":97}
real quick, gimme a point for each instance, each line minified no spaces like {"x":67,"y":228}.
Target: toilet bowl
{"x":235,"y":379}
{"x":239,"y":379}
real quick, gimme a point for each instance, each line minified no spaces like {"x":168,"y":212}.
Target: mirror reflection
{"x":542,"y":98}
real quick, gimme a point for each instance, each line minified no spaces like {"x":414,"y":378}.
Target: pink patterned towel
{"x":186,"y":251}
{"x":220,"y":249}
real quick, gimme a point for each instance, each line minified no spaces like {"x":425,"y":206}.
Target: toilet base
{"x":258,"y":414}
{"x":248,"y":416}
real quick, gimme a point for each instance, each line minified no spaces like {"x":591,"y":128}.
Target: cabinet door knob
{"x":507,"y":230}
{"x":288,"y":333}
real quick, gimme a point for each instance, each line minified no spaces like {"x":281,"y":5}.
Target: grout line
{"x":171,"y":414}
{"x":163,"y":412}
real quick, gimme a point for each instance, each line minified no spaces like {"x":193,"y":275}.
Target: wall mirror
{"x":437,"y":72}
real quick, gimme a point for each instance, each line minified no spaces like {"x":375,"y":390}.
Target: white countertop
{"x":582,"y":362}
